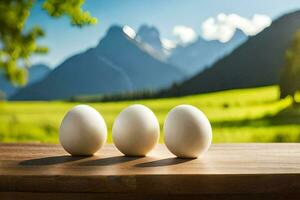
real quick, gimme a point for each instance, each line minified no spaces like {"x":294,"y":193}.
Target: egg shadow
{"x":164,"y":162}
{"x":108,"y":161}
{"x":51,"y":160}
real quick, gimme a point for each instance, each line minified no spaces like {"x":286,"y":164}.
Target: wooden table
{"x":227,"y":171}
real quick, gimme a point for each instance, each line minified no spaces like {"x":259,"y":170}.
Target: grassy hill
{"x":246,"y":115}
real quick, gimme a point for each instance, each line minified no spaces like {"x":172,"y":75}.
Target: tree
{"x":290,"y":75}
{"x":17,"y":46}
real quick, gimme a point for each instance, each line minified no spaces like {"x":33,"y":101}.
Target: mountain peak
{"x":149,"y":35}
{"x":115,"y":30}
{"x":115,"y":35}
{"x":148,"y":30}
{"x":121,"y":31}
{"x":238,"y":34}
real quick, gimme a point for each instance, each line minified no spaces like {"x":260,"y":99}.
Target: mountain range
{"x":121,"y":63}
{"x":193,"y":57}
{"x":117,"y":64}
{"x":257,"y":62}
{"x":127,"y":64}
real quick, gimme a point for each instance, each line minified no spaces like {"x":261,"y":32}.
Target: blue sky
{"x":64,"y":40}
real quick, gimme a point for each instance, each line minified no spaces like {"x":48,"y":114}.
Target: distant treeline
{"x":146,"y":94}
{"x":136,"y":95}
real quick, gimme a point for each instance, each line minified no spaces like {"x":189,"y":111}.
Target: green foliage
{"x":71,"y":8}
{"x":17,"y":45}
{"x":290,"y":76}
{"x":247,"y":115}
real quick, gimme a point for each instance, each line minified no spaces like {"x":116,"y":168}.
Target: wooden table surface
{"x":254,"y":171}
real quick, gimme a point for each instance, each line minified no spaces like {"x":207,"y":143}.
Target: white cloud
{"x":184,"y":34}
{"x":223,"y":27}
{"x":168,"y":44}
{"x":129,"y":31}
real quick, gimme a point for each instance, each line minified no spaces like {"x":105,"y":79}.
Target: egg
{"x":187,"y":132}
{"x":83,"y":131}
{"x":135,"y":131}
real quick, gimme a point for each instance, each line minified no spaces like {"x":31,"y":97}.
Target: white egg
{"x":135,"y":131}
{"x":83,"y":131}
{"x":187,"y":132}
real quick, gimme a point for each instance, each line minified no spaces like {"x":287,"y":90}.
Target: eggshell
{"x":135,"y":131}
{"x":83,"y":131}
{"x":187,"y":132}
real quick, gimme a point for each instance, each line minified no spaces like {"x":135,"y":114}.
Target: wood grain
{"x":125,"y":196}
{"x":235,"y":170}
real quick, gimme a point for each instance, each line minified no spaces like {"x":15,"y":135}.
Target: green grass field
{"x":247,"y":115}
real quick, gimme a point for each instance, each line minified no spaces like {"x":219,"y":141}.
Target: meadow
{"x":244,"y":115}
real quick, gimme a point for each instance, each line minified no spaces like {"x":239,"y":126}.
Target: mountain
{"x":117,"y":64}
{"x":257,"y":62}
{"x":35,"y":73}
{"x":194,"y":57}
{"x":144,"y":70}
{"x":82,"y":74}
